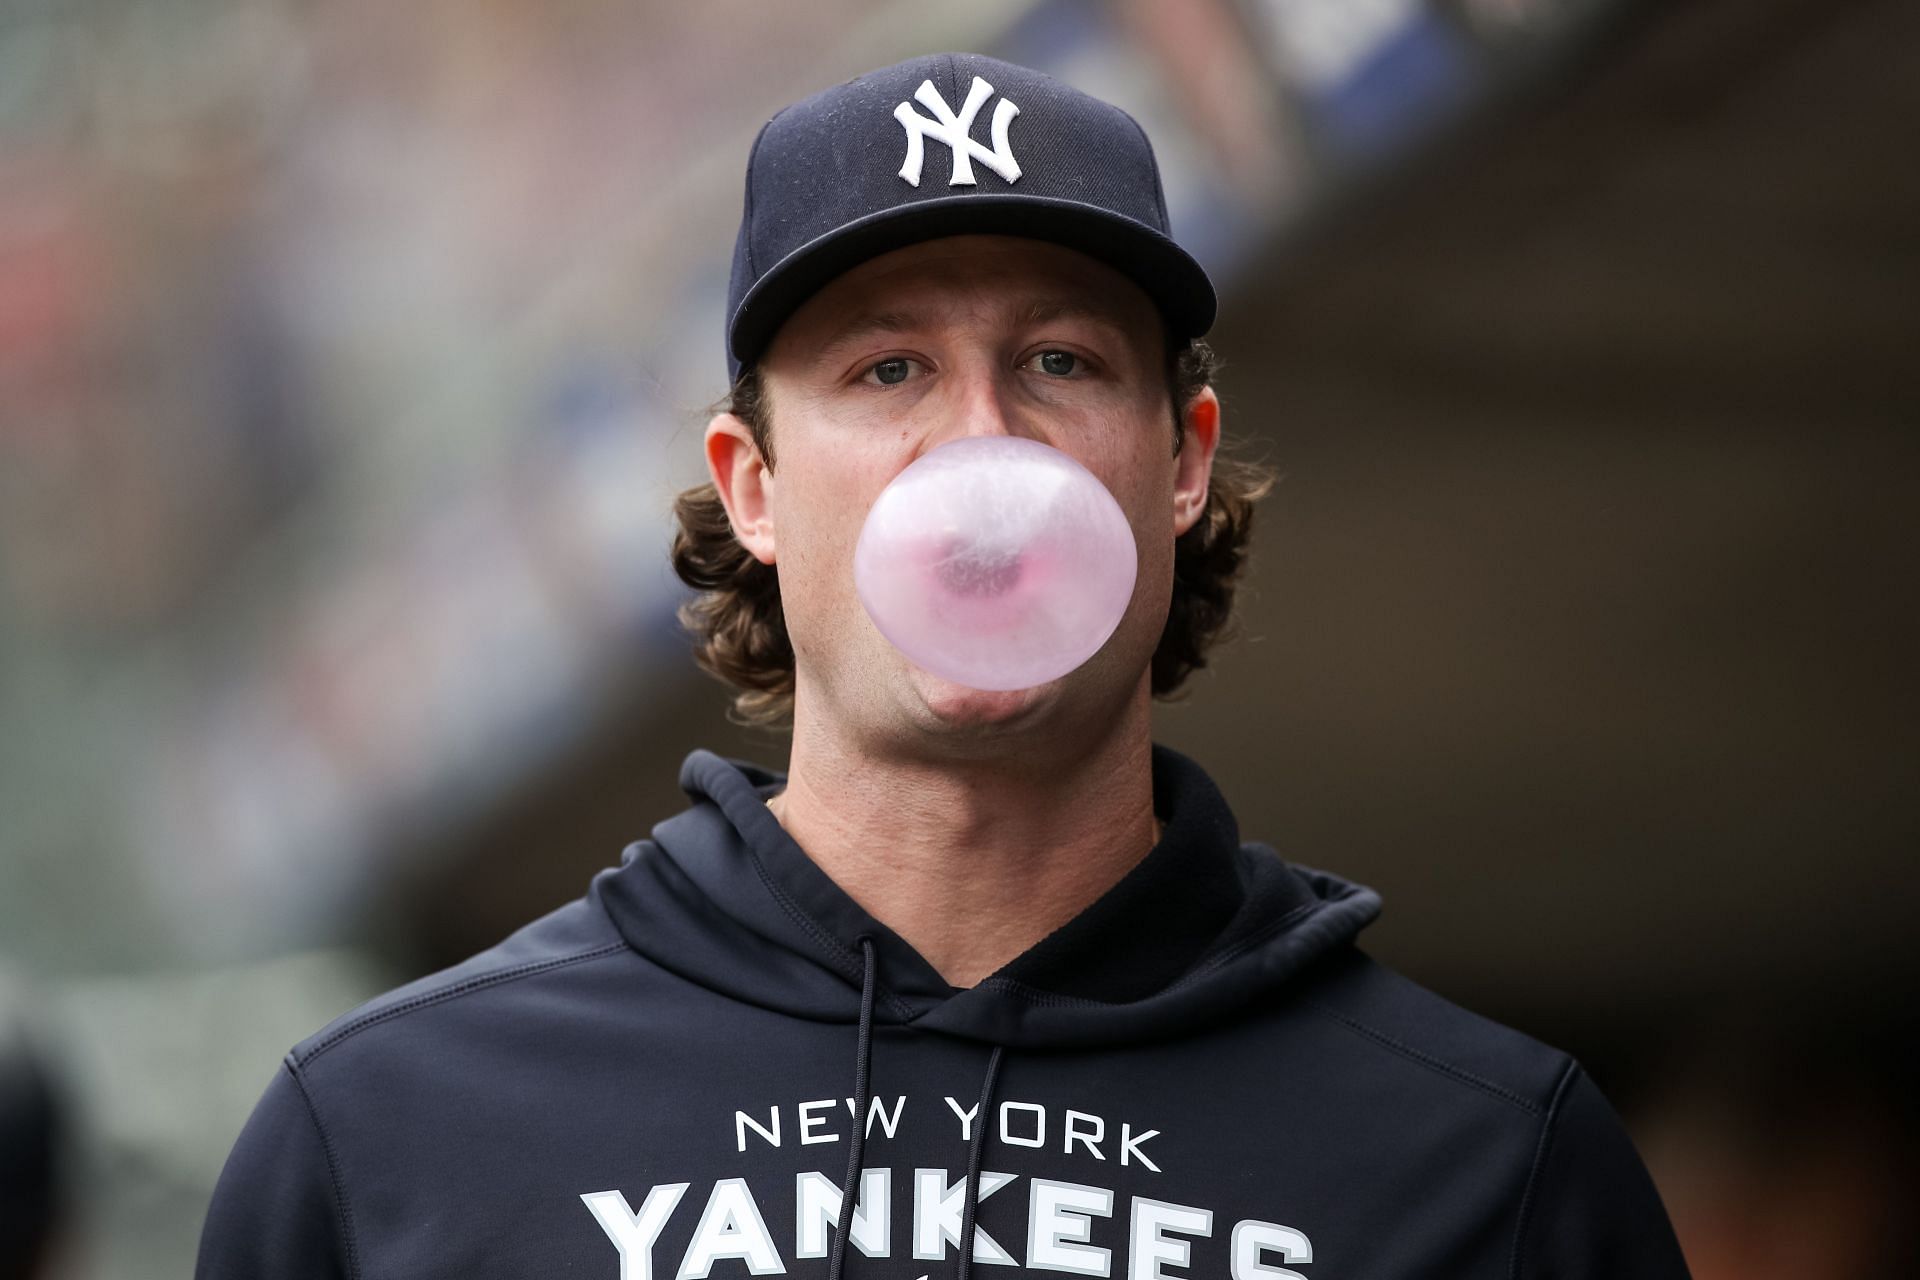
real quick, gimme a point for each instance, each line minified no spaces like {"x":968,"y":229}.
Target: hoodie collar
{"x":722,"y":894}
{"x":1157,"y":921}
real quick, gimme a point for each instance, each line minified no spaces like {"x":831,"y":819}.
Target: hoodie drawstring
{"x":974,"y":1150}
{"x":862,"y":1090}
{"x":862,"y":1101}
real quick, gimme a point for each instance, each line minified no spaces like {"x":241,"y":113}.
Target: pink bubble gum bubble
{"x":996,"y":562}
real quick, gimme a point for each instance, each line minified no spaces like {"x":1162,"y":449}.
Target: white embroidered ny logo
{"x":951,"y":129}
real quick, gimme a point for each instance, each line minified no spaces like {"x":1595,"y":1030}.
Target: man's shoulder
{"x":505,"y":980}
{"x":1397,"y":1016}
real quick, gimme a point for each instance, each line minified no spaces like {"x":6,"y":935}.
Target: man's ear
{"x":744,"y":483}
{"x":1201,"y":423}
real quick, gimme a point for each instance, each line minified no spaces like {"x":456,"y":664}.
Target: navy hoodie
{"x":1199,"y":1076}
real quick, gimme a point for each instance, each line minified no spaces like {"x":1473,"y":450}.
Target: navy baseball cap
{"x":948,"y":144}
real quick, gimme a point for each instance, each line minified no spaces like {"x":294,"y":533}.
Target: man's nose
{"x":984,"y":405}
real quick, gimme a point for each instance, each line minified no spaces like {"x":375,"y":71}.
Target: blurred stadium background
{"x":351,"y":353}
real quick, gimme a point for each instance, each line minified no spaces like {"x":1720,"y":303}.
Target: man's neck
{"x":972,"y":862}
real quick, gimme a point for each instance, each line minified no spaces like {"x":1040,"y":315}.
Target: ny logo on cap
{"x":951,"y":129}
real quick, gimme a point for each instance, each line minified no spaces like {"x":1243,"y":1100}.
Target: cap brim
{"x":1168,"y":274}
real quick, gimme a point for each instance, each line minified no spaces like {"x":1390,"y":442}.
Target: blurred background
{"x":351,"y":354}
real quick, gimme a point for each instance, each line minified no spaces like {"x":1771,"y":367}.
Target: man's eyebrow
{"x":865,"y":323}
{"x":1047,"y":310}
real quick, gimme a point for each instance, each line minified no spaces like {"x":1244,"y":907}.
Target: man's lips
{"x":978,"y":572}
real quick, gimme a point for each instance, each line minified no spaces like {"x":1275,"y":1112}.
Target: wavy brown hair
{"x":740,"y":632}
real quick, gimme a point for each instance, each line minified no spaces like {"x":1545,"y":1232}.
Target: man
{"x":986,"y":980}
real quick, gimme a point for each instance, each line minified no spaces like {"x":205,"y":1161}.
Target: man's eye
{"x":1059,"y":364}
{"x":891,"y":372}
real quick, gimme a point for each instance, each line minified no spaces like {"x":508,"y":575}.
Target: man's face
{"x":969,"y":335}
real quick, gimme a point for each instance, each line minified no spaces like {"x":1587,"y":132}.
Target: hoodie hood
{"x":1199,"y":929}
